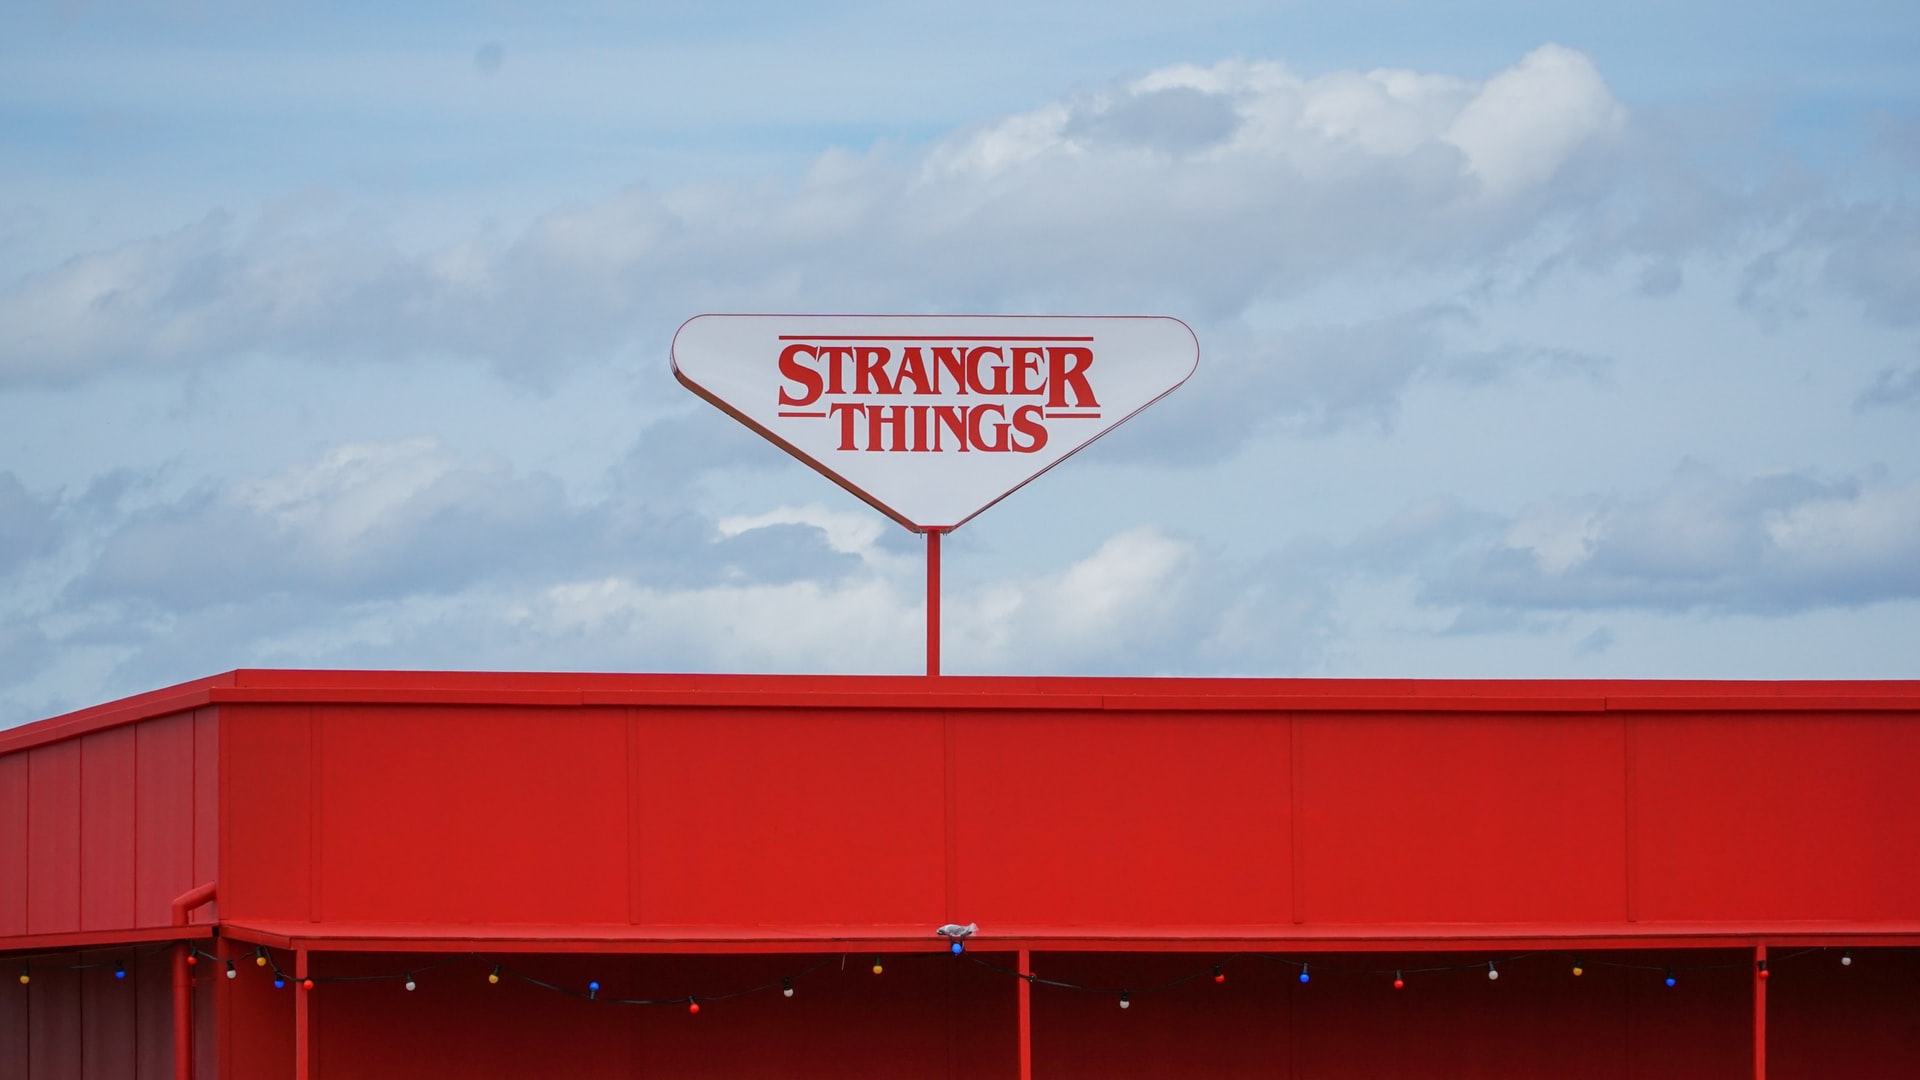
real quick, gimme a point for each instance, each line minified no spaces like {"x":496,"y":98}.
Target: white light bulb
{"x":788,"y":991}
{"x":1492,"y":972}
{"x":1846,"y":958}
{"x":409,"y":982}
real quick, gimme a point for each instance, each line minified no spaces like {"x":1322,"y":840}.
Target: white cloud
{"x":1527,"y":121}
{"x":1194,"y":188}
{"x":1705,"y":542}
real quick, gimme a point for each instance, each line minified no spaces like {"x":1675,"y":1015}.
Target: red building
{"x":1322,"y":879}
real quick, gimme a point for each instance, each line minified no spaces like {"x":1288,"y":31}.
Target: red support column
{"x":182,"y":909}
{"x":302,"y":1036}
{"x":933,"y":601}
{"x":182,"y":1013}
{"x":1759,"y":1012}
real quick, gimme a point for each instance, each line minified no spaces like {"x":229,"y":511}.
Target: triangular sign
{"x":932,"y":418}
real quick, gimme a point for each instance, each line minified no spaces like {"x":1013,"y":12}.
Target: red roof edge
{"x":481,"y":688}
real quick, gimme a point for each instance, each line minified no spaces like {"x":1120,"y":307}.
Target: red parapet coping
{"x":1008,"y":693}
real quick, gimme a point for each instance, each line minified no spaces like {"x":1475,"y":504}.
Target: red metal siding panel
{"x":791,"y":817}
{"x":268,"y":827}
{"x":257,"y":1042}
{"x":405,"y":792}
{"x":1348,"y":1023}
{"x":1828,"y":1020}
{"x":107,"y":1017}
{"x":14,"y":812}
{"x":206,"y":807}
{"x":930,"y":1016}
{"x":16,"y":1033}
{"x":1462,"y":818}
{"x":1778,"y":817}
{"x":107,"y":850}
{"x":163,"y":818}
{"x":55,"y":1037}
{"x":153,"y":1017}
{"x":1090,"y":819}
{"x":53,"y":839}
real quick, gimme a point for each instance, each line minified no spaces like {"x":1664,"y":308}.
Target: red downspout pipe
{"x":183,"y":983}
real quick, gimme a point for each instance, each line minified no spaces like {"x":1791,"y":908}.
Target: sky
{"x":1537,"y":340}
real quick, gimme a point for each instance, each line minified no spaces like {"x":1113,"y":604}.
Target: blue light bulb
{"x":119,"y":971}
{"x":279,"y":983}
{"x":1304,"y":977}
{"x":958,"y":948}
{"x":1670,"y":979}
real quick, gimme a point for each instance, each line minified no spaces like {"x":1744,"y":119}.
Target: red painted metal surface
{"x":933,"y":601}
{"x":687,"y":831}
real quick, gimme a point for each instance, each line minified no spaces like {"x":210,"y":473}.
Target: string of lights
{"x":1216,"y":970}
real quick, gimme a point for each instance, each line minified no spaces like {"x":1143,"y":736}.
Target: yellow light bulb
{"x":259,"y":961}
{"x":877,"y":969}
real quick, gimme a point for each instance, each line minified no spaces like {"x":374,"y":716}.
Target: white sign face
{"x":932,"y":418}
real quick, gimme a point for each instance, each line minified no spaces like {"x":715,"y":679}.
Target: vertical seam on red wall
{"x":950,"y":779}
{"x":1293,"y":1031}
{"x":80,"y":844}
{"x":223,"y":989}
{"x":26,"y":861}
{"x":315,"y":810}
{"x":953,"y":1024}
{"x":1631,"y":809}
{"x":134,"y":882}
{"x":1296,"y":858}
{"x":1626,"y":1026}
{"x":634,"y":825}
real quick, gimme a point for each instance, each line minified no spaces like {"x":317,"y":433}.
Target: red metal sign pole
{"x":933,"y":601}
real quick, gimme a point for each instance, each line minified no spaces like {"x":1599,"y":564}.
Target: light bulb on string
{"x":1126,"y":1000}
{"x":1846,"y":957}
{"x":593,"y":989}
{"x":1218,"y":975}
{"x":232,"y":972}
{"x":1579,"y":967}
{"x":279,"y":982}
{"x":877,"y":966}
{"x":1492,"y":972}
{"x":306,"y":984}
{"x":260,"y":957}
{"x":786,"y":987}
{"x":1304,"y":977}
{"x":26,"y":975}
{"x":120,"y":969}
{"x":192,"y":959}
{"x":693,"y":1007}
{"x":410,"y":982}
{"x":1762,"y":972}
{"x":494,"y":975}
{"x":1398,"y":982}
